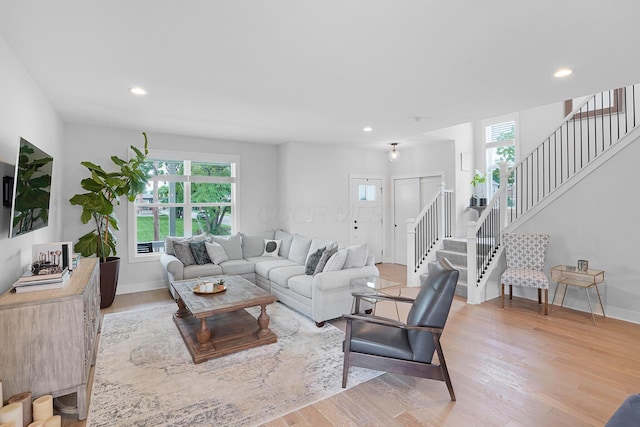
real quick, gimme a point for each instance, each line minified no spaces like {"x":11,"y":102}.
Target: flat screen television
{"x":31,"y":190}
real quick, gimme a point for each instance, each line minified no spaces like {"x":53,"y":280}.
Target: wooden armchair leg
{"x":546,"y":302}
{"x":510,"y":291}
{"x":539,"y":296}
{"x":443,"y":366}
{"x":502,"y":284}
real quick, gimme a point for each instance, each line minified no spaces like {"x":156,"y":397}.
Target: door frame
{"x":394,"y":178}
{"x":383,"y":182}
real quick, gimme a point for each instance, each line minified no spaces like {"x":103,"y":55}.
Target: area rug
{"x":144,"y":375}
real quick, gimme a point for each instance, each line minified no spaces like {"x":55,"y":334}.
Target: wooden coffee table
{"x":214,"y":325}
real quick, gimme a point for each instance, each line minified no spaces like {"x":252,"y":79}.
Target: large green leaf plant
{"x":104,"y":190}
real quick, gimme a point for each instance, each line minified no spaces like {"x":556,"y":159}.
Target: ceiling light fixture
{"x":137,"y":90}
{"x":394,"y":153}
{"x":367,"y":129}
{"x":563,"y":72}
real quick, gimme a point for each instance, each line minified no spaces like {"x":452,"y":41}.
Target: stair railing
{"x":586,"y":133}
{"x":432,"y":225}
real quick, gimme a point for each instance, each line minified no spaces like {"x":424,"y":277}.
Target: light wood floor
{"x":511,"y":367}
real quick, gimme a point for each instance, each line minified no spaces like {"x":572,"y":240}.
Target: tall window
{"x":188,"y":194}
{"x":500,"y":143}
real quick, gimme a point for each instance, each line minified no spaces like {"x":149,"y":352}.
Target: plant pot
{"x":473,"y":201}
{"x":108,"y":280}
{"x":482,"y":201}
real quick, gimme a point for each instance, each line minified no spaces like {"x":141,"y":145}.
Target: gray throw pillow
{"x":199,"y":251}
{"x":216,"y":252}
{"x":183,"y":253}
{"x":232,"y":245}
{"x":312,"y":262}
{"x":324,"y":258}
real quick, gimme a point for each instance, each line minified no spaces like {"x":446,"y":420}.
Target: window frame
{"x":488,"y":145}
{"x":187,"y":205}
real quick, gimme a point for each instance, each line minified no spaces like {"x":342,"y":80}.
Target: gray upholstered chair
{"x":405,"y":348}
{"x":525,"y":264}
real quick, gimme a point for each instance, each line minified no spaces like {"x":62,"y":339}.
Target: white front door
{"x":410,"y":195}
{"x":366,"y":215}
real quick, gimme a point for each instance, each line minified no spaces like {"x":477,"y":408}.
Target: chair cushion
{"x":264,"y":267}
{"x":380,"y":340}
{"x":526,"y":250}
{"x":301,"y":285}
{"x":281,"y":276}
{"x":524,"y":277}
{"x":237,"y":266}
{"x":232,"y":245}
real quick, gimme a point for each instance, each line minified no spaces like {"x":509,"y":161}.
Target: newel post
{"x":442,"y":212}
{"x":473,"y":293}
{"x":412,"y":276}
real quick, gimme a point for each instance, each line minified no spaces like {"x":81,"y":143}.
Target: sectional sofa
{"x":310,"y":275}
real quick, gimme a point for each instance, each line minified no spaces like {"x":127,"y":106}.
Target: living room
{"x":277,"y":189}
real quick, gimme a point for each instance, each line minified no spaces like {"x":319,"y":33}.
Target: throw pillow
{"x":216,"y":253}
{"x":317,"y":244}
{"x":253,"y":244}
{"x":299,"y":249}
{"x":199,"y":251}
{"x":286,"y":238}
{"x":328,"y":253}
{"x":271,"y":247}
{"x":312,"y":262}
{"x":336,"y":262}
{"x":183,"y":253}
{"x":168,"y":242}
{"x":356,"y":256}
{"x":232,"y":245}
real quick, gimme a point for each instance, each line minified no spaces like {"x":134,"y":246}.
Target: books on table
{"x":31,"y":283}
{"x":29,"y":276}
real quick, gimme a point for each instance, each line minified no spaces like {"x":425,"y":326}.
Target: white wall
{"x":595,"y":220}
{"x":537,"y":124}
{"x":25,"y":112}
{"x":313,"y":181}
{"x":257,"y":186}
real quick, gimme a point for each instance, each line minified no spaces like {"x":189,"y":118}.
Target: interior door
{"x":410,"y":195}
{"x":366,"y":215}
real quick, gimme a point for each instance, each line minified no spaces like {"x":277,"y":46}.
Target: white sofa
{"x":321,"y":295}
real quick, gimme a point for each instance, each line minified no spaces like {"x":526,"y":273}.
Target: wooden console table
{"x":48,"y":338}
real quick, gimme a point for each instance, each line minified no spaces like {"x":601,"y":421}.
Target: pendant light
{"x":394,"y":154}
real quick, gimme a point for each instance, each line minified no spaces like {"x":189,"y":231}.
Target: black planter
{"x":108,"y":280}
{"x":482,"y":201}
{"x":473,"y":201}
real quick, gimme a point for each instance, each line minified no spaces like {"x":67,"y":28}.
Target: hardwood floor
{"x":509,"y":367}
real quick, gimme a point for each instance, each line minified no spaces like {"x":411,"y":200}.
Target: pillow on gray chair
{"x":312,"y":262}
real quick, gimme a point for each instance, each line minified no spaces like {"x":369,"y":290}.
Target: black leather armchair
{"x":405,"y":348}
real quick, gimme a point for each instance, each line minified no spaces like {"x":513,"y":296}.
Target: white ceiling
{"x":273,"y":71}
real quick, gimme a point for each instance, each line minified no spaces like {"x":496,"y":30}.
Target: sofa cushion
{"x":237,"y":266}
{"x":312,"y":261}
{"x":282,"y":275}
{"x":264,"y":267}
{"x":183,"y":252}
{"x":271,"y":248}
{"x":199,"y":251}
{"x":286,"y":238}
{"x":253,"y":244}
{"x":216,"y":252}
{"x":301,"y":285}
{"x":299,"y":249}
{"x":204,"y":270}
{"x":356,"y":256}
{"x":337,"y":260}
{"x":232,"y":245}
{"x":328,"y":253}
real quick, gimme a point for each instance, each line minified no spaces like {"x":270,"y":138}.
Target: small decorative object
{"x":583,"y":265}
{"x":206,"y":287}
{"x":570,"y":268}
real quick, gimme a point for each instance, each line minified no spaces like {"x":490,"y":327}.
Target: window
{"x":500,"y":141}
{"x":367,"y":193}
{"x":188,"y":194}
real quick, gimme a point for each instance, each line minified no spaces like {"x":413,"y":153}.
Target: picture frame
{"x":58,"y":253}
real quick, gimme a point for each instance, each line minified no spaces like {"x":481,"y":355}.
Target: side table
{"x":570,"y":276}
{"x":372,"y":286}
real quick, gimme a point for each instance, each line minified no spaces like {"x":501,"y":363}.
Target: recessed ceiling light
{"x":563,"y":72}
{"x":367,"y":129}
{"x":137,"y":90}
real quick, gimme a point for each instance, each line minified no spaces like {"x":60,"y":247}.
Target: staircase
{"x":455,"y":250}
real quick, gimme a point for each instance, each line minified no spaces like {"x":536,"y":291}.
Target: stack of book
{"x":30,"y":282}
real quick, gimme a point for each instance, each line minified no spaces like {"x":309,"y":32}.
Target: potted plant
{"x":478,"y":178}
{"x":104,"y":190}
